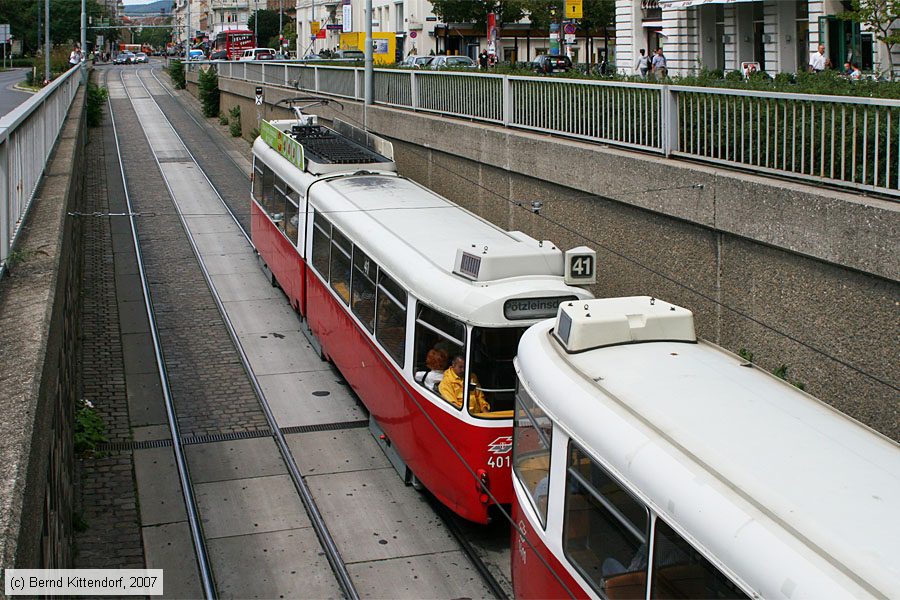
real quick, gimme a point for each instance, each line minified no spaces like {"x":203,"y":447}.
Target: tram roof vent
{"x":321,"y":150}
{"x":588,"y":324}
{"x":490,"y":262}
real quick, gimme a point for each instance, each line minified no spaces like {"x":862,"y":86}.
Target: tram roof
{"x":736,"y":456}
{"x":415,"y":234}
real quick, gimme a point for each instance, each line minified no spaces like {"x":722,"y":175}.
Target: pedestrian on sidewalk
{"x":75,"y":56}
{"x":483,"y":59}
{"x":643,"y":64}
{"x":659,"y":65}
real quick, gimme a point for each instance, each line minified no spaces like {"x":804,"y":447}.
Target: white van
{"x":258,"y":54}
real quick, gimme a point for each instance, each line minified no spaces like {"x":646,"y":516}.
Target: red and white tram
{"x":649,"y":464}
{"x":394,"y":282}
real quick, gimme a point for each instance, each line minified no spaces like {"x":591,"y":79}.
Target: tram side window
{"x":341,"y":250}
{"x":532,"y":437}
{"x":605,"y":530}
{"x":321,"y":245}
{"x":362,"y":300}
{"x":268,"y":191}
{"x":439,"y":339}
{"x":291,"y":216}
{"x":679,"y":571}
{"x":258,"y":180}
{"x":279,"y":204}
{"x":390,"y":318}
{"x":491,"y":359}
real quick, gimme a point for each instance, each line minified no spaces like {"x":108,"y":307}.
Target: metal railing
{"x":27,"y":136}
{"x":845,"y":141}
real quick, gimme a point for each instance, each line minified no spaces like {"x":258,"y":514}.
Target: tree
{"x":65,"y":21}
{"x":156,"y":37}
{"x":268,"y":25}
{"x":879,"y":16}
{"x":476,"y":11}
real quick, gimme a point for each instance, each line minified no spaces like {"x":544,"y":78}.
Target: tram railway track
{"x":480,"y":549}
{"x":276,"y":432}
{"x":177,"y":441}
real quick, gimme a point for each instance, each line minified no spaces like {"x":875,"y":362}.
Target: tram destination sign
{"x":522,"y":309}
{"x":282,"y":143}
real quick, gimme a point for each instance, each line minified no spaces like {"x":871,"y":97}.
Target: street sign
{"x":4,"y":33}
{"x":570,"y":38}
{"x":314,"y":27}
{"x":259,"y":95}
{"x":569,"y":28}
{"x":413,"y":34}
{"x":574,"y":9}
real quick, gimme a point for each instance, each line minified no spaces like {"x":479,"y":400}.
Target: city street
{"x":10,"y":97}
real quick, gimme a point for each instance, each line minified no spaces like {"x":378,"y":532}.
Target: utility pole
{"x":46,"y":40}
{"x":256,"y":24}
{"x":370,"y":65}
{"x":187,"y":41}
{"x":281,"y":25}
{"x":83,"y":28}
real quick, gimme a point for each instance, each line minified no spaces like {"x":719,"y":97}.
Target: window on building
{"x":390,"y":318}
{"x":532,"y":437}
{"x":439,"y":339}
{"x":605,"y":530}
{"x":341,"y":261}
{"x":679,"y":571}
{"x":321,"y":245}
{"x":362,"y":297}
{"x":399,"y":24}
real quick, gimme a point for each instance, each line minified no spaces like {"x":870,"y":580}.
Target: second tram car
{"x":650,"y":464}
{"x":418,"y":302}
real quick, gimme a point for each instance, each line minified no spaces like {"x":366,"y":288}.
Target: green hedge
{"x":176,"y":72}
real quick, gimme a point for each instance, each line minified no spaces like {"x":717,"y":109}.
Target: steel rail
{"x":201,"y":126}
{"x":332,"y":553}
{"x":468,"y":549}
{"x":187,"y":490}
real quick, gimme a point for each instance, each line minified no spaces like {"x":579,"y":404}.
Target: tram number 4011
{"x":499,"y":462}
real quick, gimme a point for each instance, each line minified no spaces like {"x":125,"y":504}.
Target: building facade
{"x":419,"y":31}
{"x":778,"y":35}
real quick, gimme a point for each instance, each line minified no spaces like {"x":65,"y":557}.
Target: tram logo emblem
{"x":502,"y":445}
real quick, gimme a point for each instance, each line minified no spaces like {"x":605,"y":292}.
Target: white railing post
{"x":507,"y":101}
{"x":285,"y":76}
{"x":668,"y":120}
{"x":413,"y":90}
{"x":5,"y":211}
{"x":316,"y":78}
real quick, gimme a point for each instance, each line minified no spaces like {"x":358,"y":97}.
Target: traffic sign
{"x":569,"y":28}
{"x":570,"y":39}
{"x":574,"y":9}
{"x":314,"y":27}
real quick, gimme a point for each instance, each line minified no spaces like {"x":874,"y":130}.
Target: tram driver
{"x":452,"y":385}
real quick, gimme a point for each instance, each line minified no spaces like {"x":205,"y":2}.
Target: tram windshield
{"x":491,"y":362}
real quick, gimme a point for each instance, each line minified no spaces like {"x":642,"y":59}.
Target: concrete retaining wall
{"x":38,"y":349}
{"x":796,"y":275}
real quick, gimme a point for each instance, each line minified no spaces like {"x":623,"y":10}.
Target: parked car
{"x":310,"y":57}
{"x":285,"y":55}
{"x":349,"y":55}
{"x":219,"y":55}
{"x":546,"y":63}
{"x":416,"y":62}
{"x":452,"y":62}
{"x":196,"y":54}
{"x":258,"y":54}
{"x":141,"y":57}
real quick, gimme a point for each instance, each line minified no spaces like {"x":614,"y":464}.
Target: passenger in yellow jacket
{"x":451,"y":387}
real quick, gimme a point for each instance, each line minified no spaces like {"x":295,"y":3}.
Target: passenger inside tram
{"x":452,"y":387}
{"x":436,"y":361}
{"x":492,"y":392}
